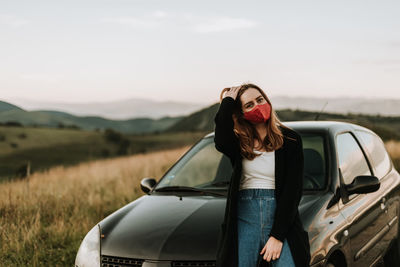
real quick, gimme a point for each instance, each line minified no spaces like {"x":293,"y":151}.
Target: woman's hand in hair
{"x":231,"y":91}
{"x":272,"y":249}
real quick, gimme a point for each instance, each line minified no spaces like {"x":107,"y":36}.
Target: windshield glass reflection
{"x":204,"y":167}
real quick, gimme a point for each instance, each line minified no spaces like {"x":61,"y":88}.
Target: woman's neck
{"x":261,"y":130}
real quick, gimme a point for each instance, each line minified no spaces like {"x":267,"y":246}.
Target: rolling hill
{"x":5,"y":106}
{"x":144,"y":107}
{"x":115,"y":109}
{"x":386,"y":127}
{"x":50,"y":118}
{"x":201,"y":120}
{"x":98,"y":137}
{"x":42,"y":148}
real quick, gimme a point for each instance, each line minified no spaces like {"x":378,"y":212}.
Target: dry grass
{"x":44,"y":218}
{"x":393,"y":148}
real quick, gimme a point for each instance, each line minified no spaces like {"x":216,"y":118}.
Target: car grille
{"x":111,"y":261}
{"x":193,"y":263}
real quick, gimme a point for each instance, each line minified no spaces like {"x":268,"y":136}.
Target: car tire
{"x":392,"y":257}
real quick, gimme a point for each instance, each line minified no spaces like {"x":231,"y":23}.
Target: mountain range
{"x":146,"y":108}
{"x":201,"y":119}
{"x":114,"y":110}
{"x":51,"y":118}
{"x":340,"y":105}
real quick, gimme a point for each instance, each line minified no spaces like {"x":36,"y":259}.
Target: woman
{"x":261,"y":220}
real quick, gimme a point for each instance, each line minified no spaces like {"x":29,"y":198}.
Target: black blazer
{"x":289,"y":165}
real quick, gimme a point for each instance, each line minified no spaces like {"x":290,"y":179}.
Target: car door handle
{"x":345,"y":232}
{"x":383,"y":203}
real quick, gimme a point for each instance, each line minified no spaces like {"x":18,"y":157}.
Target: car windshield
{"x":204,"y":167}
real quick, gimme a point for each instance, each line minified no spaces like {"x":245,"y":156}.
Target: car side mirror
{"x":147,"y":184}
{"x":363,"y":184}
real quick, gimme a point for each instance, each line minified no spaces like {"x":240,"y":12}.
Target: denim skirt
{"x":255,"y":215}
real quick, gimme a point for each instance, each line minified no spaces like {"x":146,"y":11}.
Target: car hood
{"x":166,"y":227}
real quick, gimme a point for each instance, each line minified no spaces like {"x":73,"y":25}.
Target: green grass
{"x":47,"y":147}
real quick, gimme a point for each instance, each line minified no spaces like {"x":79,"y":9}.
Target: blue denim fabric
{"x":256,"y":209}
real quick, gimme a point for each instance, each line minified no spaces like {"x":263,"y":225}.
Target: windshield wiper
{"x":220,"y":183}
{"x":178,"y":188}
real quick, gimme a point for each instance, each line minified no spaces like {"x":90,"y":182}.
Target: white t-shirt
{"x":259,"y":172}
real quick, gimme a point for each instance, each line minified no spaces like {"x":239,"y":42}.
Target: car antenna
{"x":319,"y":113}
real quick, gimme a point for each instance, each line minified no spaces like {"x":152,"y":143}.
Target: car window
{"x":377,"y":152}
{"x":202,"y":166}
{"x":351,"y":158}
{"x":314,"y":161}
{"x":205,"y":167}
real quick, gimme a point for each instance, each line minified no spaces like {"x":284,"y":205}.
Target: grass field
{"x":47,"y":147}
{"x":393,"y":147}
{"x":44,"y":218}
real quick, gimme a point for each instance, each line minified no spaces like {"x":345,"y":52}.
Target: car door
{"x":363,"y":213}
{"x":382,"y":168}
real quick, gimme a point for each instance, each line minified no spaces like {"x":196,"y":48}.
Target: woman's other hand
{"x":272,"y":249}
{"x":232,"y":92}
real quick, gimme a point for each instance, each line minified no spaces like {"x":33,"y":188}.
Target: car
{"x":350,"y":205}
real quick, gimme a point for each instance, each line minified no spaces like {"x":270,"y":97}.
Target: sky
{"x":105,"y":50}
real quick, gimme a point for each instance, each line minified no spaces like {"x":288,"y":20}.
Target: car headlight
{"x":89,"y":251}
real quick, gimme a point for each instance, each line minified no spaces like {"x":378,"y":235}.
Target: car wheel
{"x":392,"y":257}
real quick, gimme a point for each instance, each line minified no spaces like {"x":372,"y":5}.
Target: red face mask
{"x":260,"y":113}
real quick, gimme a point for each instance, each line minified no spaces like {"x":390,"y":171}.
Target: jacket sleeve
{"x":289,"y":199}
{"x":224,"y":137}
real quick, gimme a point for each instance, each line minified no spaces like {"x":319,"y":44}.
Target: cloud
{"x":394,"y":43}
{"x":150,"y":21}
{"x":133,"y":22}
{"x":222,"y":24}
{"x":201,"y":24}
{"x":378,"y":61}
{"x":160,"y":14}
{"x":41,"y":77}
{"x":13,"y":21}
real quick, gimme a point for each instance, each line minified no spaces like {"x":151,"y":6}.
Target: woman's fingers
{"x":271,"y":252}
{"x":275,"y":256}
{"x":231,"y":91}
{"x":269,"y":255}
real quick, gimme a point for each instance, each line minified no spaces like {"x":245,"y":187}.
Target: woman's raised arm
{"x":224,"y":137}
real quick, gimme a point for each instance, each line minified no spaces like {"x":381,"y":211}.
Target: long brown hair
{"x":246,"y":132}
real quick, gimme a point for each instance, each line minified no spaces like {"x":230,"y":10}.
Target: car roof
{"x":327,"y":126}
